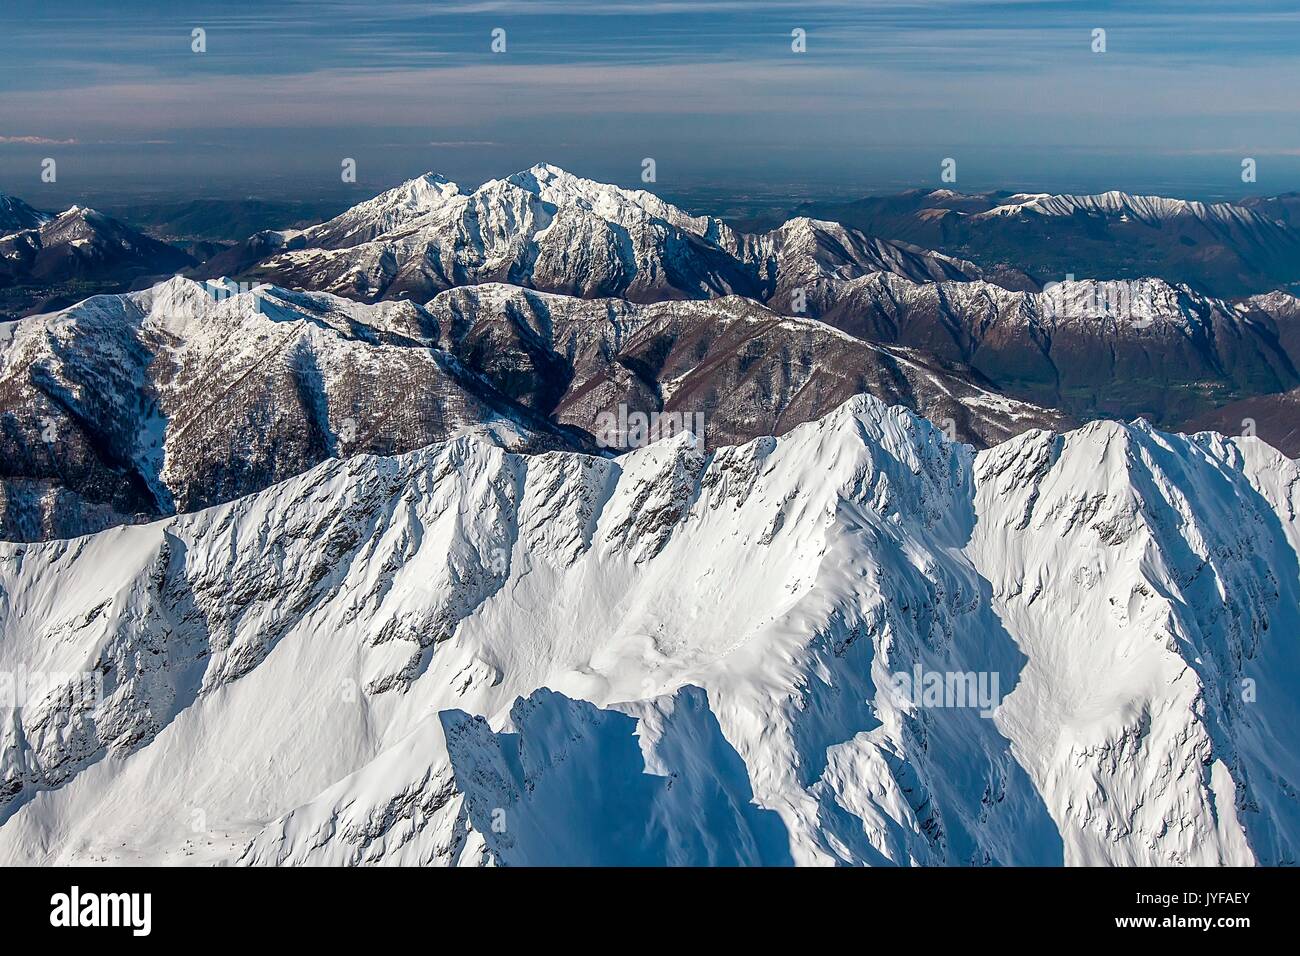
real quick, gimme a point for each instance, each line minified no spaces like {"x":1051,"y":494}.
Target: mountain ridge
{"x":137,"y":405}
{"x":547,"y":229}
{"x":448,"y":705}
{"x":1223,"y":249}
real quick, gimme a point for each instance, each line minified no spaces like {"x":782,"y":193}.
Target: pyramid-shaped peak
{"x":547,"y":171}
{"x":427,"y":185}
{"x":544,"y":175}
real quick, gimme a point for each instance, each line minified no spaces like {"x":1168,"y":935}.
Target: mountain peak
{"x":16,"y":215}
{"x":81,"y":213}
{"x":1149,"y":210}
{"x":550,"y":181}
{"x":426,"y":191}
{"x":550,"y":171}
{"x":393,"y":209}
{"x":432,"y":182}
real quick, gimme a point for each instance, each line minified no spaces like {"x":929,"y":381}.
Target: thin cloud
{"x":36,"y":141}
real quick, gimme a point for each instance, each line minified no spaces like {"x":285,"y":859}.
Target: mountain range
{"x":51,"y":261}
{"x":1173,"y":354}
{"x":366,"y":542}
{"x":462,"y":655}
{"x":1218,"y":249}
{"x":546,"y":229}
{"x":1093,"y":349}
{"x":133,"y":406}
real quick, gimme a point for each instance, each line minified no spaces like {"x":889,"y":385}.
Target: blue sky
{"x":710,"y":89}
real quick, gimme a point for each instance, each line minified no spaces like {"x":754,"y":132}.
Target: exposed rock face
{"x":137,"y":406}
{"x":134,"y":406}
{"x":1092,"y":349}
{"x":746,"y":370}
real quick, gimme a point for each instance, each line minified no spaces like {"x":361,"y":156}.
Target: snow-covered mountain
{"x":409,"y":202}
{"x":1088,"y":348}
{"x":16,"y":215}
{"x":48,"y":262}
{"x":549,"y":230}
{"x":361,"y":223}
{"x":463,"y":655}
{"x":83,"y":244}
{"x":1024,"y":240}
{"x":186,"y":395}
{"x":1151,"y":210}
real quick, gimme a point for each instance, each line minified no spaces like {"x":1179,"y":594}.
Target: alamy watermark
{"x":1129,"y":300}
{"x":133,"y":911}
{"x":626,"y":429}
{"x":24,"y":688}
{"x":922,"y":688}
{"x":223,"y":289}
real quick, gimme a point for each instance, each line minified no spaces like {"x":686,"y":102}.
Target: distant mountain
{"x":1092,"y":349}
{"x":546,"y":229}
{"x":357,"y":224}
{"x":856,"y":644}
{"x":1284,"y":207}
{"x":223,"y":220}
{"x":410,"y":202}
{"x":134,"y":406}
{"x":64,"y":258}
{"x":83,"y":244}
{"x":16,"y":215}
{"x":1220,"y":249}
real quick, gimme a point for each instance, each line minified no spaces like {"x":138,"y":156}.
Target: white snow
{"x":548,"y":229}
{"x":462,"y":655}
{"x":1150,"y":210}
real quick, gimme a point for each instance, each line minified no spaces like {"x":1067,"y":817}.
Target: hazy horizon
{"x":713,"y":91}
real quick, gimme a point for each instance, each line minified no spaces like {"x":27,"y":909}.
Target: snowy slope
{"x":423,"y":196}
{"x":1151,"y":210}
{"x":461,"y":655}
